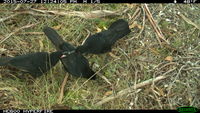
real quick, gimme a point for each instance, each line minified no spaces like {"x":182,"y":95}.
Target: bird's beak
{"x":63,"y":56}
{"x":67,"y":52}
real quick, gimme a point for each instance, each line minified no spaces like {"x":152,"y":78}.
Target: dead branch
{"x":18,"y":6}
{"x":104,"y":78}
{"x":135,"y":15}
{"x":17,"y":30}
{"x":142,"y":25}
{"x":189,"y":21}
{"x":154,"y":25}
{"x":191,"y":68}
{"x":62,"y":90}
{"x":133,"y":88}
{"x":18,"y":12}
{"x":6,"y":18}
{"x":91,"y":14}
{"x":38,"y":12}
{"x":30,"y":33}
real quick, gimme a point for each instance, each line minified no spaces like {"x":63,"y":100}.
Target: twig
{"x":189,"y":57}
{"x":103,"y":77}
{"x":152,"y":23}
{"x":127,"y":90}
{"x":8,"y":17}
{"x":112,"y":55}
{"x":32,"y":13}
{"x":159,"y":68}
{"x":16,"y":12}
{"x":62,"y":89}
{"x":142,"y":26}
{"x":18,"y":6}
{"x":30,"y":33}
{"x":9,"y":89}
{"x":135,"y":15}
{"x":172,"y":83}
{"x":17,"y":30}
{"x":189,"y":21}
{"x":170,"y":63}
{"x":91,"y":14}
{"x":89,"y":33}
{"x":155,"y":26}
{"x":191,"y":68}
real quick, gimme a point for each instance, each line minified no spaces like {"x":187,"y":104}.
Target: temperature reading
{"x":84,"y":1}
{"x":95,"y":1}
{"x":52,"y":1}
{"x":189,"y":1}
{"x":32,"y":1}
{"x":62,"y":1}
{"x":73,"y":1}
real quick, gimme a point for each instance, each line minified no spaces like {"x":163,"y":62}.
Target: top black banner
{"x":99,"y":1}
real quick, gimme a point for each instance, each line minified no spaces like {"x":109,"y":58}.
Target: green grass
{"x":138,"y":62}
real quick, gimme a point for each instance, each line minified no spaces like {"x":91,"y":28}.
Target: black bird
{"x":35,"y":64}
{"x":102,"y":42}
{"x":74,"y":63}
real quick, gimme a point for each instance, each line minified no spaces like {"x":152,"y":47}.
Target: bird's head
{"x":65,"y":53}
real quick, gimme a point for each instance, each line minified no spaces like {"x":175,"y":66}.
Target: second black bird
{"x":102,"y":42}
{"x":35,"y":64}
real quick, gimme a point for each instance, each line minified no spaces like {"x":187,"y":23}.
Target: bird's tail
{"x":4,"y":61}
{"x":121,"y":27}
{"x":53,"y":36}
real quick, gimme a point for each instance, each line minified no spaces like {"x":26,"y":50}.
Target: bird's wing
{"x":56,"y":39}
{"x":53,"y":36}
{"x":30,"y":62}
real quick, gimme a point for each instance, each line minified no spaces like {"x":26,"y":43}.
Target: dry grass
{"x":136,"y":58}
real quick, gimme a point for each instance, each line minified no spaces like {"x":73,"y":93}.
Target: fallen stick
{"x":138,"y":10}
{"x":17,"y":30}
{"x":11,"y":16}
{"x":132,"y":88}
{"x":37,"y":12}
{"x":154,"y":25}
{"x":189,"y":21}
{"x":8,"y":17}
{"x":62,"y":89}
{"x":91,"y":14}
{"x":30,"y":33}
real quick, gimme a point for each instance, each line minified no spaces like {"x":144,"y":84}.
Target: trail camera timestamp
{"x":70,"y":1}
{"x":19,"y":1}
{"x":50,"y":1}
